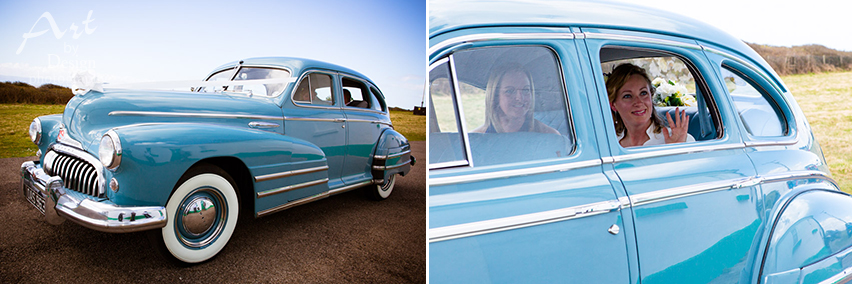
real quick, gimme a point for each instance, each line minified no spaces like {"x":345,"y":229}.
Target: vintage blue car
{"x":256,"y":137}
{"x":529,"y":180}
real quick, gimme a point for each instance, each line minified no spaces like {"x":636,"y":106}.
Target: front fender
{"x":810,"y":238}
{"x":154,"y":156}
{"x":392,"y":155}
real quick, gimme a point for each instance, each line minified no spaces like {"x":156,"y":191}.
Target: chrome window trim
{"x":310,"y":105}
{"x":513,"y":173}
{"x":191,"y":114}
{"x":351,"y":108}
{"x":744,"y":63}
{"x":289,"y":173}
{"x":642,"y":40}
{"x":385,"y":157}
{"x":670,"y":152}
{"x":95,"y":162}
{"x":448,"y":164}
{"x":460,"y":111}
{"x":586,"y":210}
{"x":274,"y":191}
{"x":521,"y":221}
{"x":772,"y":143}
{"x":497,"y":36}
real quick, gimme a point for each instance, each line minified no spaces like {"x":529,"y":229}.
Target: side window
{"x":355,"y":93}
{"x":760,"y":117}
{"x":314,"y":89}
{"x":645,"y":87}
{"x":445,"y":140}
{"x":377,"y":101}
{"x":513,"y":105}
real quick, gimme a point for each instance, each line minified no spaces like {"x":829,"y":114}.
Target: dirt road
{"x":346,"y":238}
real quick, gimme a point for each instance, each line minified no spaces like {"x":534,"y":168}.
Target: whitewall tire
{"x":202,"y":214}
{"x":382,"y":191}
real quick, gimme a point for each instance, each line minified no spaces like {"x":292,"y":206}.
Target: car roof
{"x":295,"y":65}
{"x":452,"y":15}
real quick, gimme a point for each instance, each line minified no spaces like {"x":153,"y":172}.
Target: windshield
{"x":250,"y":73}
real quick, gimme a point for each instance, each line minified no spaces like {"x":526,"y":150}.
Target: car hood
{"x":87,"y":117}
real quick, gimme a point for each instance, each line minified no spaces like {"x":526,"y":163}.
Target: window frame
{"x":771,"y":95}
{"x":333,"y":76}
{"x":448,"y":56}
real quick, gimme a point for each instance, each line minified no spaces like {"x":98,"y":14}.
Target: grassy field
{"x":16,"y":118}
{"x":824,"y":97}
{"x":15,"y":122}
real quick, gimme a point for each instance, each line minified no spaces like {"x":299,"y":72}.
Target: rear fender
{"x":810,"y":237}
{"x":391,"y":156}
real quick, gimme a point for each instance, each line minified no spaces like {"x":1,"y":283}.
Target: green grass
{"x":411,"y":126}
{"x":824,"y":99}
{"x":14,"y":136}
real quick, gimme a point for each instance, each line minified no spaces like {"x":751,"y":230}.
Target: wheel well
{"x":241,"y":175}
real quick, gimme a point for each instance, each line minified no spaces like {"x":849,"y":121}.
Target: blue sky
{"x":163,"y":41}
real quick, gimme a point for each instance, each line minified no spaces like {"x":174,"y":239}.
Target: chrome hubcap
{"x":201,"y":217}
{"x":198,"y":216}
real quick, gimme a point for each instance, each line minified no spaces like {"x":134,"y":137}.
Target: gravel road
{"x":346,"y":238}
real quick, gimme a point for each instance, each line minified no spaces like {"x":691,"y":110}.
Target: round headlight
{"x":109,"y":150}
{"x":35,"y":131}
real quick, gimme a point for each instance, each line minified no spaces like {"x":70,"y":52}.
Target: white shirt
{"x":657,"y":138}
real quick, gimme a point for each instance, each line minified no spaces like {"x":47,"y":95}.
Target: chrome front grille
{"x":76,"y":173}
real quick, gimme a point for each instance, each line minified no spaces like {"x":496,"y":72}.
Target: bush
{"x":23,"y":93}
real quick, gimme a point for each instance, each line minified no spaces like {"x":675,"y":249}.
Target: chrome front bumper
{"x":49,"y":196}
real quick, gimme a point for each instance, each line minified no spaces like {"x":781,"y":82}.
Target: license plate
{"x":34,"y":197}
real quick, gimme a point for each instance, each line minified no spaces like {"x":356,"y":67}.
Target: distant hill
{"x":23,"y":93}
{"x":803,"y":59}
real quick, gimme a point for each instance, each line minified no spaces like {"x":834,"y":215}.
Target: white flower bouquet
{"x":671,"y":93}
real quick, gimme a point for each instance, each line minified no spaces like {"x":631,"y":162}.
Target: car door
{"x":695,"y":205}
{"x":518,"y":207}
{"x":313,"y":114}
{"x":365,"y":121}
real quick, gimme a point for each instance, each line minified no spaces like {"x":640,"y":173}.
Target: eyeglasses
{"x":526,"y":92}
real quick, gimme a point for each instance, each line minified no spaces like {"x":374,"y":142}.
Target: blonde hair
{"x":492,"y":97}
{"x":616,"y":80}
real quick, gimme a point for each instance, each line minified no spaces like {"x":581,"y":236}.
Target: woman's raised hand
{"x":677,"y":132}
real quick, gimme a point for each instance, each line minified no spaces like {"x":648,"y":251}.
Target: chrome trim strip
{"x":289,"y":173}
{"x":513,"y":173}
{"x":770,"y":143}
{"x":313,"y":119}
{"x":292,"y":204}
{"x":838,"y":278}
{"x":368,"y":121}
{"x":797,"y":175}
{"x":521,"y":221}
{"x":384,"y":168}
{"x":497,"y":36}
{"x":262,"y":124}
{"x":191,"y":114}
{"x":385,"y":157}
{"x":689,"y":190}
{"x":670,"y":152}
{"x":291,"y":187}
{"x":349,"y":187}
{"x":642,"y":39}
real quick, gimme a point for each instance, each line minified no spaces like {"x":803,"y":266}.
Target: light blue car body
{"x":165,"y":133}
{"x":735,"y":209}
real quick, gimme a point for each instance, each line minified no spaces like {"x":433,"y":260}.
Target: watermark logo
{"x":56,"y":32}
